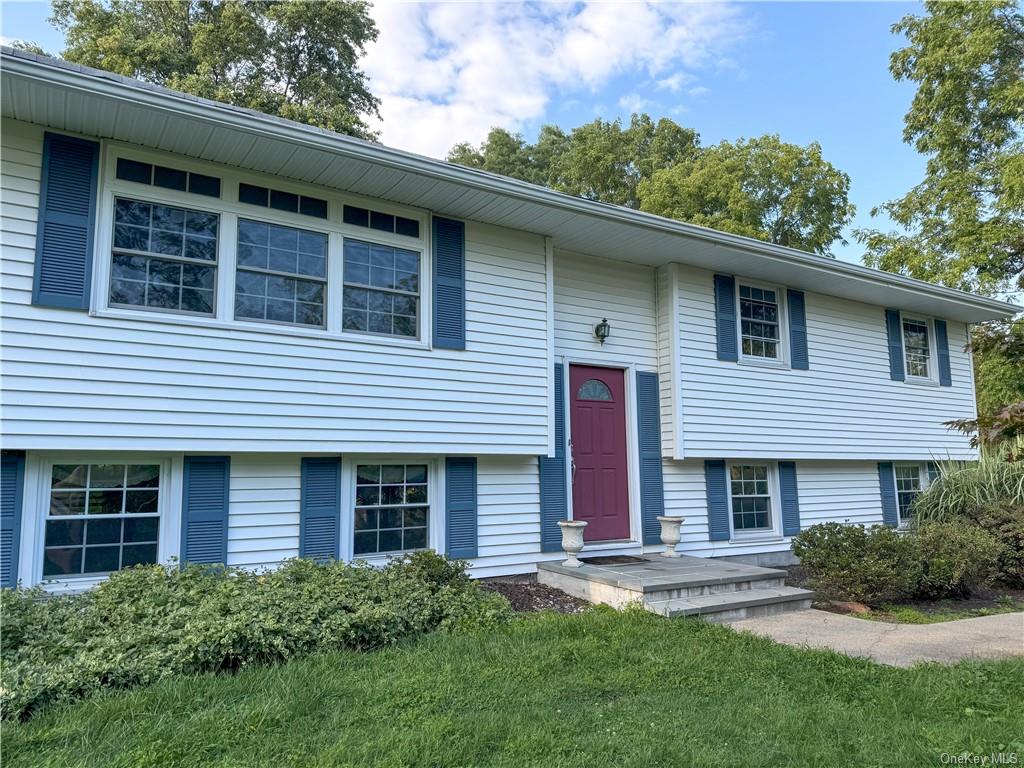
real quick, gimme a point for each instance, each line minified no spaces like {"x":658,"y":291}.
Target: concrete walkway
{"x":899,"y":645}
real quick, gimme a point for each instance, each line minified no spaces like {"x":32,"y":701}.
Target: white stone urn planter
{"x":572,"y":540}
{"x":670,"y":533}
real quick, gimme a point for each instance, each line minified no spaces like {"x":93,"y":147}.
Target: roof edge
{"x":60,"y":72}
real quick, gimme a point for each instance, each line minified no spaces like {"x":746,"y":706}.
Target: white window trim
{"x":435,"y":503}
{"x":766,"y":534}
{"x":783,"y":360}
{"x":932,"y":379}
{"x":38,"y":468}
{"x":230,"y":210}
{"x":924,"y":479}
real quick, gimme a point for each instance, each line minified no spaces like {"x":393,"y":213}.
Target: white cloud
{"x":448,"y":72}
{"x":698,"y":90}
{"x":633,"y":102}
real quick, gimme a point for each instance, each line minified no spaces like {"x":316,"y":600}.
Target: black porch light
{"x":602,"y":330}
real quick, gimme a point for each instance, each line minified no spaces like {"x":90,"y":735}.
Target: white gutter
{"x":88,"y":80}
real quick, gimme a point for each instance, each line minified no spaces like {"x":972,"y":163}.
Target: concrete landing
{"x":714,"y":589}
{"x":898,"y":645}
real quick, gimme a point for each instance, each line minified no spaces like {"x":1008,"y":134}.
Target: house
{"x":232,"y":338}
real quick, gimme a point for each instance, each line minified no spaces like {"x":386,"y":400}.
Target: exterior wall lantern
{"x":602,"y":330}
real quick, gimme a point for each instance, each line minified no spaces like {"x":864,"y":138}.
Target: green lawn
{"x":597,"y":689}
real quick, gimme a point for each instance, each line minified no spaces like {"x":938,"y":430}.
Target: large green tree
{"x":296,"y":59}
{"x":763,"y":188}
{"x":963,"y":225}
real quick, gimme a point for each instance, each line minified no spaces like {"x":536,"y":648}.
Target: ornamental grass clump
{"x":151,"y":622}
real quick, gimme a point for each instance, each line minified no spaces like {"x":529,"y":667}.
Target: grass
{"x":939,"y":611}
{"x":596,"y":689}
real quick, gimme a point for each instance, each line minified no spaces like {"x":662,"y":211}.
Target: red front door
{"x":600,"y":490}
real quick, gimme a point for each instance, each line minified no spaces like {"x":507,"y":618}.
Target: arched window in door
{"x":593,"y":389}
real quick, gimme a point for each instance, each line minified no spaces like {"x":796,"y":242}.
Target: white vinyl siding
{"x":139,"y":380}
{"x":589,"y":289}
{"x":263,"y":509}
{"x":829,"y":491}
{"x":845,"y":407}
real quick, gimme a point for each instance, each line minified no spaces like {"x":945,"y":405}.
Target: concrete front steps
{"x":716,"y":590}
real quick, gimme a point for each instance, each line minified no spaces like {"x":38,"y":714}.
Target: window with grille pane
{"x":391,"y":509}
{"x":908,"y":488}
{"x":916,"y":348}
{"x":282,"y":274}
{"x":751,"y":498}
{"x":759,"y":322}
{"x":382,"y":289}
{"x":101,"y":518}
{"x":164,"y":257}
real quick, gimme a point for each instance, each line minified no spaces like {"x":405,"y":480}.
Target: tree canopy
{"x":963,"y":225}
{"x":298,"y":60}
{"x":763,"y":187}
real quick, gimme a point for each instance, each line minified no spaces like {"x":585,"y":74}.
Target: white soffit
{"x":77,"y":99}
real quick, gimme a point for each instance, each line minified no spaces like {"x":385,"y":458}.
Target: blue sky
{"x":807,"y":71}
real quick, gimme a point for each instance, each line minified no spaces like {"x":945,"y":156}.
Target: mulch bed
{"x":796,"y":576}
{"x":529,"y":596}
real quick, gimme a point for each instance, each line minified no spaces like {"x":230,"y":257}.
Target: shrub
{"x":956,"y":558}
{"x":150,"y":622}
{"x":850,"y":562}
{"x":988,"y":493}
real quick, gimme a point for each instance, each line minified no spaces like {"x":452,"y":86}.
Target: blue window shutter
{"x":204,"y":509}
{"x":887,"y":483}
{"x":717,"y":489}
{"x":789,"y":497}
{"x":449,"y":284}
{"x":12,"y":482}
{"x":67,"y":220}
{"x":648,"y":419}
{"x":554,"y":504}
{"x":320,"y":508}
{"x":460,"y":507}
{"x":798,"y":330}
{"x":894,"y":335}
{"x":725,"y":317}
{"x":942,"y":350}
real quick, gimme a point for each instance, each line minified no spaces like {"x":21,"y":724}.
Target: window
{"x":101,"y":518}
{"x":391,"y":509}
{"x":382,"y":286}
{"x":163,"y":257}
{"x":908,"y":487}
{"x":751,"y":498}
{"x":282,"y":274}
{"x":592,"y":389}
{"x":916,"y":347}
{"x":759,"y":322}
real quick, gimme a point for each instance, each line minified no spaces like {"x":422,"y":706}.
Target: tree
{"x":763,"y":188}
{"x":298,"y":60}
{"x":599,"y":160}
{"x":964,"y":223}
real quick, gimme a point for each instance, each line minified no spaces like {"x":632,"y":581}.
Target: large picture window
{"x":163,"y":257}
{"x":391,"y":509}
{"x":751,"y":498}
{"x":759,"y":322}
{"x":282,"y":274}
{"x":382,"y":289}
{"x":101,"y":518}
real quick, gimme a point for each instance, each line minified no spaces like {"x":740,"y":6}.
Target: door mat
{"x":614,"y":560}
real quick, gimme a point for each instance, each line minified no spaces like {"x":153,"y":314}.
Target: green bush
{"x":956,"y":558}
{"x":849,"y":562}
{"x":989,"y":494}
{"x":150,"y":622}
